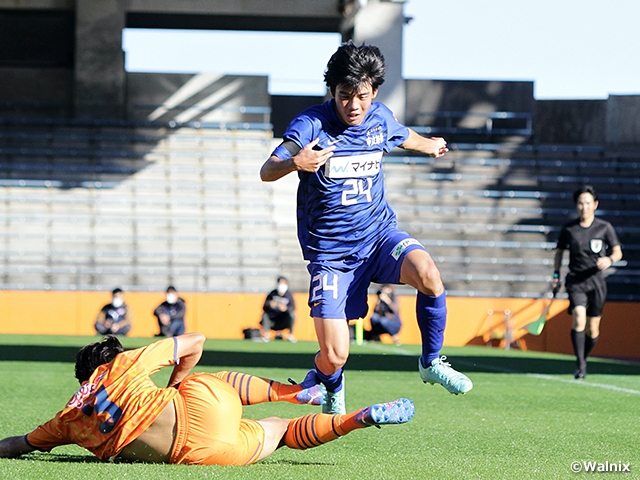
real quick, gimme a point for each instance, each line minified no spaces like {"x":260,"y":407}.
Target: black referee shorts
{"x":590,"y":293}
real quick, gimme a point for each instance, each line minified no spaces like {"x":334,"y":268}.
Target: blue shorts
{"x":339,"y":288}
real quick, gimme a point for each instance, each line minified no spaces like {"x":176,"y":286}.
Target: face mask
{"x":117,"y":302}
{"x":282,"y":288}
{"x":171,"y":298}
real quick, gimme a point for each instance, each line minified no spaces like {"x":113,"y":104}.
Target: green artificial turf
{"x":525,"y":418}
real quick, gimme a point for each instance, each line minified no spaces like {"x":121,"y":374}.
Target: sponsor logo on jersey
{"x":86,"y":390}
{"x":375,"y":136}
{"x":596,"y":245}
{"x":365,"y":165}
{"x":396,"y":253}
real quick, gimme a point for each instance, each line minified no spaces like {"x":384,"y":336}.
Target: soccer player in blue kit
{"x":347,"y":230}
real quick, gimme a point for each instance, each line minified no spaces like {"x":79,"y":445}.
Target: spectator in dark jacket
{"x":386,"y":316}
{"x":170,"y":314}
{"x":114,"y":317}
{"x":279,"y":311}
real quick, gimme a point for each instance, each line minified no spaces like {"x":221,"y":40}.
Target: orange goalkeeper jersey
{"x":117,"y":404}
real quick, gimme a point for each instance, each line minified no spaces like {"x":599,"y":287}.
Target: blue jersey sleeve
{"x":302,"y":130}
{"x":397,"y":133}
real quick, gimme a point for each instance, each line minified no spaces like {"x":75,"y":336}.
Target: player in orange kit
{"x":120,"y":413}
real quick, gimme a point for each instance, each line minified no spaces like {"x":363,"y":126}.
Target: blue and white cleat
{"x":441,"y":372}
{"x":313,"y":393}
{"x":334,"y":402}
{"x":390,"y":413}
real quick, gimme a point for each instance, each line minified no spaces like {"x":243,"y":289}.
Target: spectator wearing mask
{"x":115,"y":317}
{"x":279,"y":311}
{"x":170,"y":314}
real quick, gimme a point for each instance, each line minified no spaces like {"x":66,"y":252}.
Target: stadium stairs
{"x":490,"y":213}
{"x":91,"y":205}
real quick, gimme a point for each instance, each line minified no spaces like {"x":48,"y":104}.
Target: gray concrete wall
{"x":380,"y":24}
{"x":466,"y":96}
{"x":208,"y":97}
{"x":99,"y":60}
{"x":99,"y":86}
{"x":570,"y":121}
{"x":623,"y":120}
{"x":27,"y":87}
{"x":38,"y":4}
{"x":317,"y":8}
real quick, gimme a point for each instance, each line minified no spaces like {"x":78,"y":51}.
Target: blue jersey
{"x":342,"y":209}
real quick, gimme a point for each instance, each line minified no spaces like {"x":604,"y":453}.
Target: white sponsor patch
{"x":595,"y":244}
{"x":402,"y":246}
{"x":365,"y":165}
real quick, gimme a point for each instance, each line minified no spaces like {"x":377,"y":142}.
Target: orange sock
{"x":253,"y":390}
{"x":319,"y":428}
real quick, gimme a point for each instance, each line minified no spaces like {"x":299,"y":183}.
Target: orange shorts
{"x":210,"y":429}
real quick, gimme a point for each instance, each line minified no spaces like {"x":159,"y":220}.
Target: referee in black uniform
{"x":593,"y":247}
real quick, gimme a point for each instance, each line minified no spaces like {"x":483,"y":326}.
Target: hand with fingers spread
{"x":310,"y":158}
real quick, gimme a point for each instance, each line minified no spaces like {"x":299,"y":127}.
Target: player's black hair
{"x":116,"y":290}
{"x":585,"y":189}
{"x":353,"y":65}
{"x":95,"y":354}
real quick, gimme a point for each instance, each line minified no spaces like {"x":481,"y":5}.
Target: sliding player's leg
{"x":317,"y":429}
{"x":253,"y":390}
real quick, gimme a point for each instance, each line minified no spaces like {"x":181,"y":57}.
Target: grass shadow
{"x":495,"y":362}
{"x":59,"y":458}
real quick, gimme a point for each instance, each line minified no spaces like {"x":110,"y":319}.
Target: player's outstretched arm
{"x":190,"y":346}
{"x":435,"y":146}
{"x":12,"y":447}
{"x":307,"y":159}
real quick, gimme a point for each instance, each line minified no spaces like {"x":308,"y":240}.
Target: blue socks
{"x":332,"y":382}
{"x":431,"y":313}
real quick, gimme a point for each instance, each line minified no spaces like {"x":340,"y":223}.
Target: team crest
{"x":596,"y":245}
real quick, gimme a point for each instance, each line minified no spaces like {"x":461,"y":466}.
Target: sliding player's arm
{"x":189,"y":351}
{"x":12,"y":447}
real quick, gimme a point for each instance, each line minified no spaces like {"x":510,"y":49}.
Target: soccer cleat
{"x":334,"y":402}
{"x":313,"y":393}
{"x":398,"y":411}
{"x":310,"y":379}
{"x":442,"y":373}
{"x":312,"y":396}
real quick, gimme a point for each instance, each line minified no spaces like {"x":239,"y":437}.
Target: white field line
{"x":584,"y":383}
